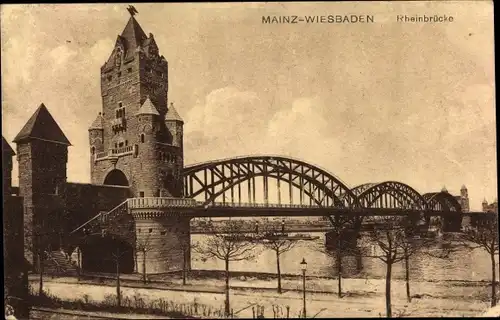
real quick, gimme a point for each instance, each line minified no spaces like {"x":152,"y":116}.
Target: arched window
{"x":142,"y":138}
{"x":126,"y":143}
{"x":92,"y":150}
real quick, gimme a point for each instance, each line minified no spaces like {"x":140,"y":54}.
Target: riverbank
{"x":362,"y":298}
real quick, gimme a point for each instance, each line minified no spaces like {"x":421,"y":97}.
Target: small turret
{"x":485,"y":205}
{"x":444,"y":189}
{"x":174,"y":124}
{"x":463,"y":192}
{"x":96,"y":135}
{"x":148,"y":118}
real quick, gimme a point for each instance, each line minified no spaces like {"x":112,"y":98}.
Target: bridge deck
{"x":230,"y":211}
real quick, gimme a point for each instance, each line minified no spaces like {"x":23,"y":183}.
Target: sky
{"x":410,"y":102}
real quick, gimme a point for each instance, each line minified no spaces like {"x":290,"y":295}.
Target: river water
{"x":464,"y":264}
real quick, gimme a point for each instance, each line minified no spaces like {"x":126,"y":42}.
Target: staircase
{"x":102,"y":218}
{"x":57,"y":264}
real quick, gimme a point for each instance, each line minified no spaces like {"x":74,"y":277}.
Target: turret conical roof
{"x":172,"y":114}
{"x":6,"y":148}
{"x":98,"y":123}
{"x":42,"y":126}
{"x":148,"y":108}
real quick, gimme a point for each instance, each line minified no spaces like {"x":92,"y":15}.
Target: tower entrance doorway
{"x":116,"y":178}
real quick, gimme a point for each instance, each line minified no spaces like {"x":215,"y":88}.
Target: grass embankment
{"x":135,"y":305}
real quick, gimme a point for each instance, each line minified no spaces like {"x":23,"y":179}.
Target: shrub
{"x":136,"y":304}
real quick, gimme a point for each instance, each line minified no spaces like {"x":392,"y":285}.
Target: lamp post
{"x":303,"y":266}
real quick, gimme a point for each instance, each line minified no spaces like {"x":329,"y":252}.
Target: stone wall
{"x":165,"y":238}
{"x":84,"y":201}
{"x":15,"y":269}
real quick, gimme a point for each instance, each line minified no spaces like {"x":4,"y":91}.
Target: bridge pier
{"x":161,"y":242}
{"x":452,"y":224}
{"x":348,"y":239}
{"x":163,"y":238}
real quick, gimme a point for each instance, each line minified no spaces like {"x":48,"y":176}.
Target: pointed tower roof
{"x":444,"y":189}
{"x":133,"y":35}
{"x":463,"y":187}
{"x":7,"y":149}
{"x":172,"y":114}
{"x":42,"y":126}
{"x":98,"y":123}
{"x":148,"y":108}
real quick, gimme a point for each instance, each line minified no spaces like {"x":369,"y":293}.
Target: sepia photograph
{"x":249,"y":160}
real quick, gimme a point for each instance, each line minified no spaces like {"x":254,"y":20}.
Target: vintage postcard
{"x":249,"y":160}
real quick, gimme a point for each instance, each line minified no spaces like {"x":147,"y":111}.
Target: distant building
{"x":463,"y":198}
{"x":492,"y":207}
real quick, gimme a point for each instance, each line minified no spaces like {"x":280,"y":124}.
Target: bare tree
{"x":117,"y":255}
{"x":339,"y":226}
{"x":186,"y":247}
{"x":388,"y":235}
{"x":278,"y":242}
{"x":39,"y":243}
{"x":411,"y":244}
{"x":143,"y":245}
{"x":483,"y":234}
{"x":229,"y":243}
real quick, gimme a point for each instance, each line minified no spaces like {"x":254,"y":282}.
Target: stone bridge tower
{"x":42,"y":154}
{"x":137,"y":141}
{"x":137,"y":138}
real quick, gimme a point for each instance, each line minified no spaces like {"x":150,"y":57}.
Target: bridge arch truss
{"x":239,"y":180}
{"x":297,"y":181}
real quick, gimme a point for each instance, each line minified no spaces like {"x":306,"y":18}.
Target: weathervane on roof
{"x":132,"y":10}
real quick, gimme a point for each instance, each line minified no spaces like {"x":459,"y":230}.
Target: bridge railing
{"x":161,"y":202}
{"x":104,"y":216}
{"x":259,"y":205}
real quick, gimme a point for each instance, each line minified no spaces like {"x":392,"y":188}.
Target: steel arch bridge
{"x":227,"y":178}
{"x":283,"y":181}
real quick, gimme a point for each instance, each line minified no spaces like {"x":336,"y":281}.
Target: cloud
{"x":409,"y":102}
{"x":61,"y":55}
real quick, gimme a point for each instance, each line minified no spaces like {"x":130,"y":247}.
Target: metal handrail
{"x":99,"y":215}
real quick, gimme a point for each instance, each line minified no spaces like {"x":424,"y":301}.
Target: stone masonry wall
{"x":165,"y":238}
{"x":84,"y":201}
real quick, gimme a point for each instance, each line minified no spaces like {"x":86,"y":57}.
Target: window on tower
{"x":119,"y":74}
{"x":142,"y":138}
{"x":129,"y":70}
